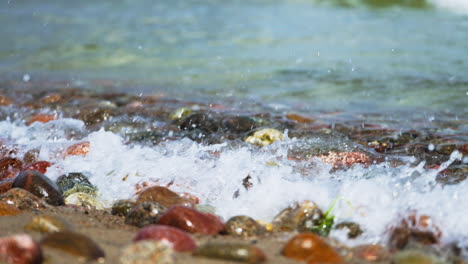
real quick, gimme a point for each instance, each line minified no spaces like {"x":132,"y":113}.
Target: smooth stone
{"x":304,"y":217}
{"x":23,"y":199}
{"x":299,"y":118}
{"x":246,"y":253}
{"x":162,"y":195}
{"x":6,"y":185}
{"x":39,"y":185}
{"x":414,"y":228}
{"x":243,"y":226}
{"x":84,"y":200}
{"x":205,"y":121}
{"x":264,"y":137}
{"x":39,"y":166}
{"x":415,"y":257}
{"x":239,"y":124}
{"x":47,"y":224}
{"x":371,"y":253}
{"x":7,"y":209}
{"x":143,"y":214}
{"x":191,"y":220}
{"x":97,"y":115}
{"x":78,"y":149}
{"x":41,"y":118}
{"x":354,"y":230}
{"x":147,"y":252}
{"x":10,"y":167}
{"x":310,"y":247}
{"x":20,"y":249}
{"x":5,"y":101}
{"x":181,"y":113}
{"x":122,"y":207}
{"x":171,"y":236}
{"x":75,"y":182}
{"x":75,"y":244}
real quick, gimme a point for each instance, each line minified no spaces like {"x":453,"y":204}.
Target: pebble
{"x":240,"y":252}
{"x":7,"y":209}
{"x":346,"y":159}
{"x":47,"y":224}
{"x":191,"y":220}
{"x":10,"y":167}
{"x":147,"y":252}
{"x":96,"y":115}
{"x":414,"y":228}
{"x":299,"y":118}
{"x":39,"y":166}
{"x":239,"y":124}
{"x":143,"y":214}
{"x":75,"y":244}
{"x":31,"y":156}
{"x":78,"y":149}
{"x":41,"y":118}
{"x":354,"y":230}
{"x":122,"y":207}
{"x":75,"y":182}
{"x":304,"y":216}
{"x":162,"y":195}
{"x":264,"y":137}
{"x":171,"y":236}
{"x":4,"y":101}
{"x":39,"y":185}
{"x":23,"y":199}
{"x":205,"y":121}
{"x":180,"y":113}
{"x":310,"y":247}
{"x":243,"y":226}
{"x":20,"y":249}
{"x":84,"y":200}
{"x":6,"y":185}
{"x":415,"y":257}
{"x":371,"y":253}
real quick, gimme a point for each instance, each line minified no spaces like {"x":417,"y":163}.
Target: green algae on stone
{"x":75,"y":182}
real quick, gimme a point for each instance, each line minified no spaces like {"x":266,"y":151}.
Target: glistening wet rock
{"x":47,"y":224}
{"x":122,"y":207}
{"x":163,"y":196}
{"x":23,"y":199}
{"x":191,"y":220}
{"x":239,"y":252}
{"x":39,"y":185}
{"x":7,"y":209}
{"x":10,"y":167}
{"x":84,"y":200}
{"x":171,"y":236}
{"x":19,"y":249}
{"x":75,"y":182}
{"x":146,"y":213}
{"x":75,"y":244}
{"x":39,"y":166}
{"x":310,"y":247}
{"x":243,"y":226}
{"x":147,"y":252}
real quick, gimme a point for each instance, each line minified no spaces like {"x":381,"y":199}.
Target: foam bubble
{"x":459,"y":6}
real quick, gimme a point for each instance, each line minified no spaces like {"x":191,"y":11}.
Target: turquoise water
{"x":364,"y":56}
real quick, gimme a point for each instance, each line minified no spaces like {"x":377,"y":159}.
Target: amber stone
{"x":8,"y":209}
{"x":299,"y":118}
{"x":162,"y":195}
{"x":174,"y":237}
{"x":41,"y":118}
{"x":74,"y":244}
{"x":4,"y":101}
{"x":20,"y":249}
{"x":240,"y":252}
{"x":39,"y":185}
{"x":243,"y":226}
{"x":40,"y":166}
{"x":191,"y":220}
{"x":77,"y":149}
{"x":10,"y":167}
{"x":22,"y":199}
{"x":311,"y":248}
{"x":47,"y":224}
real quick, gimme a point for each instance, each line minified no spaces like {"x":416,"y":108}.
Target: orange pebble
{"x":43,"y":118}
{"x":81,"y":148}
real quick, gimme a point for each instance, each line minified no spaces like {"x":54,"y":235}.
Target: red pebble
{"x":10,"y":167}
{"x":19,"y":249}
{"x":78,"y":149}
{"x":176,"y":238}
{"x":191,"y":220}
{"x":6,"y":185}
{"x":40,"y":166}
{"x":42,"y":118}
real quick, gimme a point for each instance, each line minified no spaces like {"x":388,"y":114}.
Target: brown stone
{"x":4,"y":101}
{"x":81,"y":148}
{"x":171,"y":236}
{"x":8,"y":209}
{"x":39,"y":185}
{"x":19,"y":249}
{"x":239,"y":252}
{"x":164,"y":196}
{"x":191,"y":220}
{"x":346,"y":159}
{"x":311,"y":248}
{"x":243,"y":226}
{"x":75,"y":244}
{"x":22,"y":199}
{"x":6,"y":185}
{"x":299,"y":118}
{"x":10,"y":167}
{"x":41,"y":118}
{"x":40,"y":166}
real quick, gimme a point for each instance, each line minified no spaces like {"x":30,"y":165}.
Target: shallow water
{"x":361,"y":73}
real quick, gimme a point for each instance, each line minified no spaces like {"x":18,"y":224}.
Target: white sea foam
{"x":459,"y":6}
{"x":374,"y":196}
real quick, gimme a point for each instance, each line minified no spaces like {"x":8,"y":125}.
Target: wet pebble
{"x":39,"y":185}
{"x":415,"y":257}
{"x":239,"y":252}
{"x":371,"y":253}
{"x":84,"y":200}
{"x":47,"y":224}
{"x":31,"y":156}
{"x":23,"y":199}
{"x":414,"y":228}
{"x":191,"y":220}
{"x":75,"y":182}
{"x":264,"y":137}
{"x":122,"y":207}
{"x":78,"y":149}
{"x":354,"y":230}
{"x":7,"y":209}
{"x":171,"y":236}
{"x":310,"y":247}
{"x":162,"y":195}
{"x":239,"y":124}
{"x":97,"y":115}
{"x":243,"y":226}
{"x":39,"y":166}
{"x":147,"y":252}
{"x":10,"y":167}
{"x":304,"y":217}
{"x":6,"y":185}
{"x":143,"y":214}
{"x":205,"y":121}
{"x":41,"y":118}
{"x":19,"y":249}
{"x":75,"y":244}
